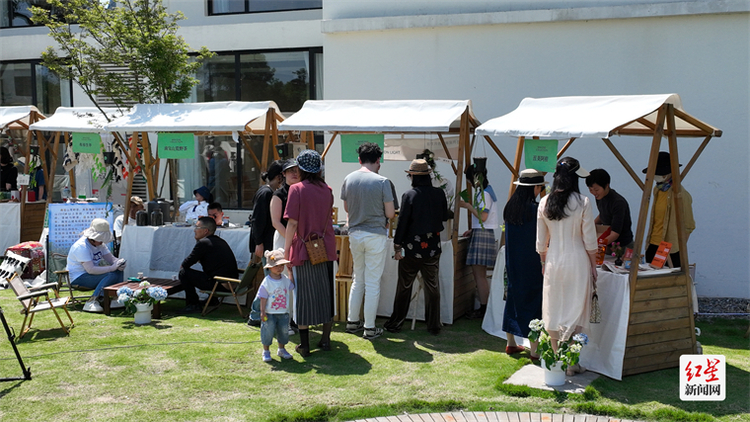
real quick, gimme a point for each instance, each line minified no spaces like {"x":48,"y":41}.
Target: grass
{"x":209,"y":369}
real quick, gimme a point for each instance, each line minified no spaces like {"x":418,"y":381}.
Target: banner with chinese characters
{"x":350,"y":143}
{"x":541,"y":154}
{"x":176,"y":145}
{"x":86,"y":142}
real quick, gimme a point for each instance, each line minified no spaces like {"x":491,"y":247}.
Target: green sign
{"x":541,"y":154}
{"x":87,"y":142}
{"x":350,"y":143}
{"x":176,"y":145}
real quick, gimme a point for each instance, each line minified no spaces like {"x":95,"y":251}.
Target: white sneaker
{"x":114,"y":304}
{"x":93,"y":306}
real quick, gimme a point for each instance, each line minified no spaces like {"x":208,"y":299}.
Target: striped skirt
{"x":482,"y":248}
{"x":314,"y":293}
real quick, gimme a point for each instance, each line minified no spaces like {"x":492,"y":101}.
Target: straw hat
{"x":419,"y":167}
{"x":99,"y":231}
{"x":530,"y":177}
{"x":274,"y":258}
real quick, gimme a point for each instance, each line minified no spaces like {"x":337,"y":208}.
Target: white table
{"x":606,"y":349}
{"x":389,"y":281}
{"x":159,"y":251}
{"x":10,"y":225}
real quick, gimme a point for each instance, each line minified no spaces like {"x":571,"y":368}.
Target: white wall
{"x":704,"y":58}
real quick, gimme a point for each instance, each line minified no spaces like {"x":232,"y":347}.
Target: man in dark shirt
{"x":613,"y":208}
{"x":216,"y":258}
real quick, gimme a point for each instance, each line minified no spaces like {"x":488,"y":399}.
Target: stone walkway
{"x":493,"y":417}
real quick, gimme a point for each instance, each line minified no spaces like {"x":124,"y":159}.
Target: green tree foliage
{"x":138,"y":35}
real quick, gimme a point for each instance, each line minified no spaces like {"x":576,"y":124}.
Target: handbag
{"x":596,"y":312}
{"x":316,"y":249}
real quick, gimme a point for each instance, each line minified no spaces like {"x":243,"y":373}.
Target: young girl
{"x":274,"y":293}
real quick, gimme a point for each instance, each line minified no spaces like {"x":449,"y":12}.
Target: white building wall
{"x":703,"y":57}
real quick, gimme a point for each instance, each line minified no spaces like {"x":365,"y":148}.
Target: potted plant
{"x":555,"y":363}
{"x":617,"y":251}
{"x":141,"y":301}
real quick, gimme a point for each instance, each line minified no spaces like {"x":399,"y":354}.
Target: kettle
{"x":141,"y":218}
{"x":164,"y":206}
{"x":157,"y":218}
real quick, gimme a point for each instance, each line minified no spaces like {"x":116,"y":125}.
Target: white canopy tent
{"x":18,"y":117}
{"x":216,"y":118}
{"x":661,"y":325}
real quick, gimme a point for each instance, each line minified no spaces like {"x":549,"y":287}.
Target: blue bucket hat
{"x":309,"y":161}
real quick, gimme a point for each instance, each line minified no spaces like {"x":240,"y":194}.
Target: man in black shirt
{"x":613,"y":208}
{"x":216,"y":258}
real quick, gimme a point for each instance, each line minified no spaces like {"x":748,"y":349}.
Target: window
{"x":226,"y":7}
{"x":288,"y":78}
{"x":25,"y":83}
{"x":17,"y":13}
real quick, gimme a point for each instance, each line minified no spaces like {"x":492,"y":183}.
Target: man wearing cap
{"x":91,"y":265}
{"x":136,"y":204}
{"x":216,"y":258}
{"x":663,"y":214}
{"x":416,"y":245}
{"x":613,"y":208}
{"x":368,"y":201}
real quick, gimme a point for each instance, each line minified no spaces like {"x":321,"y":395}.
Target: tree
{"x":137,"y":36}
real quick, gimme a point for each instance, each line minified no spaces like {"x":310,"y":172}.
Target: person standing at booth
{"x":368,"y":201}
{"x":566,"y":243}
{"x":613,"y":209}
{"x":261,"y":237}
{"x":525,"y":278}
{"x":663,"y":213}
{"x":417,"y":246}
{"x":8,"y":172}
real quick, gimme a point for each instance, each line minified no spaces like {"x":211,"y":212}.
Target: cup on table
{"x":140,"y":276}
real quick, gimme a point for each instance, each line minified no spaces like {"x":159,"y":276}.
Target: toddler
{"x":274,"y":294}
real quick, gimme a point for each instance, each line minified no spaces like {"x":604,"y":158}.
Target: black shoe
{"x":476,"y":314}
{"x":191,"y":309}
{"x":253,"y":322}
{"x":302,"y":351}
{"x":393,"y":330}
{"x":325,"y":346}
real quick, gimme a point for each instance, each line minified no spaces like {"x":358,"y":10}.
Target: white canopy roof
{"x":230,"y":116}
{"x":76,"y":119}
{"x":598,"y":117}
{"x":378,"y":116}
{"x":9,"y":115}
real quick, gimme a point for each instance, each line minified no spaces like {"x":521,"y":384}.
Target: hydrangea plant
{"x":146,"y":294}
{"x":568,"y":351}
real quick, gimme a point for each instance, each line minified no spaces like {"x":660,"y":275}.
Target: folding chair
{"x":63,"y":282}
{"x":237,"y":289}
{"x":36,"y":299}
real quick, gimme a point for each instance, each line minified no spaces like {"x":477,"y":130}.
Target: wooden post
{"x":71,"y":173}
{"x":463,"y":140}
{"x":502,"y":157}
{"x":698,"y":152}
{"x":516,"y":165}
{"x":624,"y":163}
{"x":564,"y":148}
{"x":646,"y":198}
{"x":328,"y":145}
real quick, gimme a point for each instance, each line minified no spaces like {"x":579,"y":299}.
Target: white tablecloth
{"x":389,"y":282}
{"x":10,"y":225}
{"x":143,"y":248}
{"x":606,"y":349}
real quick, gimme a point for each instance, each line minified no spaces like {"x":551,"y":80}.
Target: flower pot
{"x":554,"y":376}
{"x":143,"y":313}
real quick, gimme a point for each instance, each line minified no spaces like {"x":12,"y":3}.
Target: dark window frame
{"x":34,"y":94}
{"x":210,"y":9}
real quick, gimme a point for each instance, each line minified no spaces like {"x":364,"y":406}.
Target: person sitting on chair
{"x":91,"y":265}
{"x":217,"y":213}
{"x":136,"y":204}
{"x":198,"y":207}
{"x":216,"y":258}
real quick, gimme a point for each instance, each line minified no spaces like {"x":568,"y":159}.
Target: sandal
{"x":575,"y":369}
{"x":511,"y":350}
{"x":302,"y":351}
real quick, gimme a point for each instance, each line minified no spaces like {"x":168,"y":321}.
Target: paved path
{"x":493,"y":417}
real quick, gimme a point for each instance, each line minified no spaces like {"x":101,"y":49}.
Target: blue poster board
{"x":68,"y":221}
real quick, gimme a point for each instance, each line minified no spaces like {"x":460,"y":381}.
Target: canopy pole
{"x":467,"y":163}
{"x":463,"y":140}
{"x":246,"y":143}
{"x":698,"y":152}
{"x":447,"y":153}
{"x":71,"y":174}
{"x":328,"y":146}
{"x":500,"y":154}
{"x":646,"y":199}
{"x":682,"y":235}
{"x":624,"y":162}
{"x":564,"y":148}
{"x":53,"y":152}
{"x":516,"y":165}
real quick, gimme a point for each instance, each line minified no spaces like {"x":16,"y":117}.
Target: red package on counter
{"x":33,"y":251}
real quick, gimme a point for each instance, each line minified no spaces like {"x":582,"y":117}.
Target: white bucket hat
{"x":99,"y":231}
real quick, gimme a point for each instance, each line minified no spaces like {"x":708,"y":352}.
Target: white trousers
{"x":368,"y":255}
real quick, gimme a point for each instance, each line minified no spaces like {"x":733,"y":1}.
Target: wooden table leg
{"x":105,"y":305}
{"x":156,"y":312}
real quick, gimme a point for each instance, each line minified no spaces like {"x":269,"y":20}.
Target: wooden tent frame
{"x":661,"y":324}
{"x":26,"y":212}
{"x":151,"y":163}
{"x":468,"y":123}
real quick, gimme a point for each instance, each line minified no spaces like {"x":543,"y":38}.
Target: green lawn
{"x":209,"y":369}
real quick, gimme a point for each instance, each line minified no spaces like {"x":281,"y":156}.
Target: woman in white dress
{"x":566,"y":242}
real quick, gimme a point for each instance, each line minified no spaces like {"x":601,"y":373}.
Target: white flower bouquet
{"x":568,"y":351}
